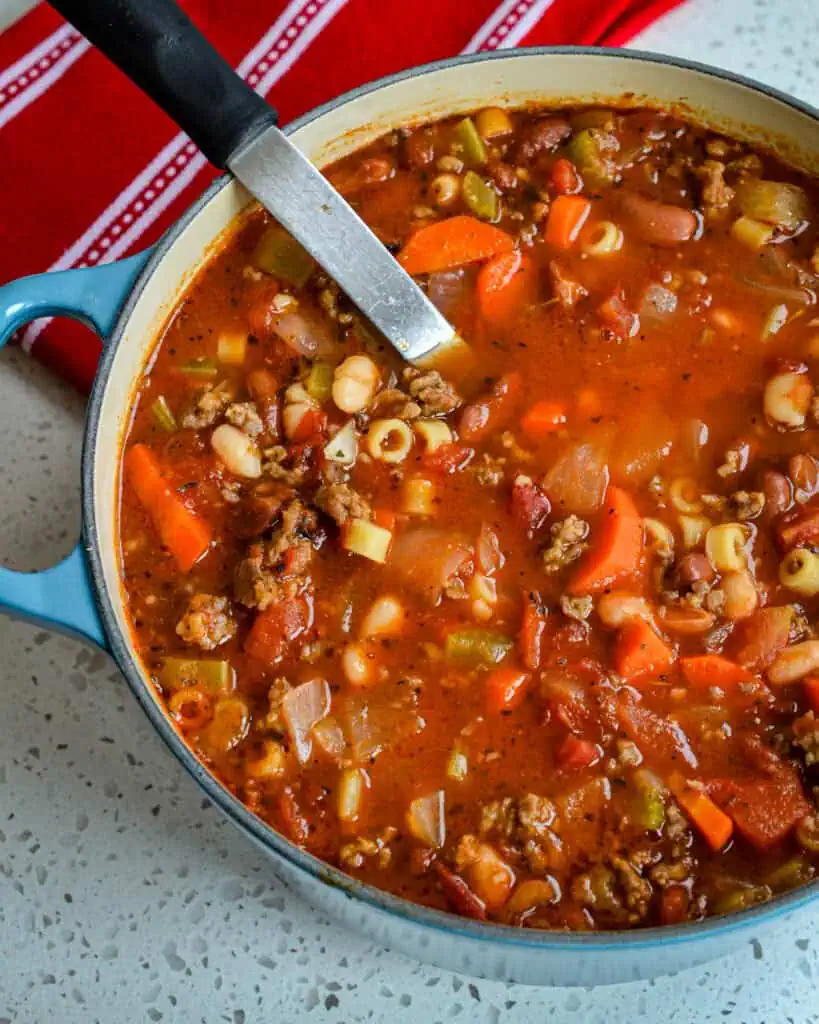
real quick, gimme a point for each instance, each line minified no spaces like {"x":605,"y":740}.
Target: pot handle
{"x":62,"y":598}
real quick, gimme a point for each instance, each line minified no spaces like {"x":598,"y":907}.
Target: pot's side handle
{"x":91,"y":295}
{"x":62,"y":597}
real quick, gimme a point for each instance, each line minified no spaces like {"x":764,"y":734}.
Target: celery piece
{"x":648,"y":805}
{"x":319,"y":381}
{"x":585,"y":151}
{"x":208,"y":674}
{"x":201,"y":367}
{"x":740,"y":899}
{"x":468,"y":144}
{"x":480,"y":197}
{"x":604,"y":120}
{"x":279,"y":254}
{"x":163,"y":416}
{"x":773,"y":202}
{"x":474,"y":647}
{"x":789,"y":875}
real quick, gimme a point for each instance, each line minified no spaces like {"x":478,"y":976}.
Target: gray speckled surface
{"x":124,"y":897}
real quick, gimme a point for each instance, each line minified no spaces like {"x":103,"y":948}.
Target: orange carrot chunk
{"x":715,"y":825}
{"x":543,"y":418}
{"x":713,"y":670}
{"x":567,"y":215}
{"x":181,"y":531}
{"x":641,"y":652}
{"x":505,"y":689}
{"x":452,"y":243}
{"x":617,"y":552}
{"x":506,"y":284}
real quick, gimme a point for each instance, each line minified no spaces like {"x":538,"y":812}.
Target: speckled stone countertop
{"x":125,"y":897}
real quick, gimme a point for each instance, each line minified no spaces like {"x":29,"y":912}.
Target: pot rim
{"x":612,"y":941}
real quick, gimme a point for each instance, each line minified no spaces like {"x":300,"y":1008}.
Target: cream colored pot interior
{"x":513,"y":81}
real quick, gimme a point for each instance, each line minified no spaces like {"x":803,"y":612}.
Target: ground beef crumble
{"x":208,"y":407}
{"x":568,"y":543}
{"x":207,"y":622}
{"x":434,"y":395}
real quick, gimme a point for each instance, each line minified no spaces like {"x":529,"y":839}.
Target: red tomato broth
{"x":552,"y":783}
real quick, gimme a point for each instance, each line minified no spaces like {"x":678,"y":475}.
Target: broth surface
{"x":530,"y":637}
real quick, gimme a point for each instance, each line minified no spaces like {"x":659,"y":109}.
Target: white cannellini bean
{"x":385,"y":617}
{"x":355,"y":383}
{"x":794,"y":663}
{"x":616,"y":610}
{"x":787,"y":399}
{"x":741,"y":597}
{"x":358,"y":669}
{"x":237,"y":451}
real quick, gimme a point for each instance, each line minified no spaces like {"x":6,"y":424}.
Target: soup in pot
{"x":529,"y":633}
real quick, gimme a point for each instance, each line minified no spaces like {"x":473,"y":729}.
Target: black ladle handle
{"x":157,"y":46}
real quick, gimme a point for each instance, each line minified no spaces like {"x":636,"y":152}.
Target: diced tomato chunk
{"x":564,"y":177}
{"x":447,"y":458}
{"x":576,"y":753}
{"x":277,"y":627}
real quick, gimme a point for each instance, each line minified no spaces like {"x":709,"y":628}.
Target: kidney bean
{"x":658,"y":223}
{"x":777,"y":490}
{"x":693,"y":568}
{"x":804,"y":473}
{"x":543,"y":136}
{"x":419,"y":149}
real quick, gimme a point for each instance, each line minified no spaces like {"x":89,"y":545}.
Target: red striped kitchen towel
{"x":92,"y":171}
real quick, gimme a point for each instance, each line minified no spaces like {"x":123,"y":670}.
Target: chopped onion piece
{"x":425,"y":819}
{"x":306,"y":333}
{"x":372,"y":729}
{"x":775,"y":321}
{"x":327,"y":733}
{"x":427,"y":559}
{"x":658,"y":302}
{"x":343,"y":447}
{"x":578,"y":480}
{"x":302,"y":708}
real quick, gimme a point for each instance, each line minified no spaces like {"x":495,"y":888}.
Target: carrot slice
{"x":506,"y":284}
{"x":713,"y":670}
{"x":811,"y":685}
{"x":617,"y":552}
{"x":640,"y":652}
{"x":181,"y":531}
{"x":715,"y":825}
{"x":567,"y":215}
{"x":543,"y":418}
{"x":452,"y":243}
{"x":505,"y":689}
